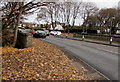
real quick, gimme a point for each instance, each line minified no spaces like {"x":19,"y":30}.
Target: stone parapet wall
{"x":24,"y":40}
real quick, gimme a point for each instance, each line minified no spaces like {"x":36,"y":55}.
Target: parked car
{"x":59,"y":33}
{"x":21,"y":28}
{"x":47,"y":32}
{"x":39,"y":34}
{"x":32,"y":31}
{"x":55,"y":33}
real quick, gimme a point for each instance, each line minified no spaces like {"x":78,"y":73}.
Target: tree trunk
{"x":68,"y":30}
{"x":52,"y":21}
{"x":73,"y":22}
{"x":15,"y":36}
{"x":16,"y":30}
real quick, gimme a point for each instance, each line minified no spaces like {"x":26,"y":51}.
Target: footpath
{"x":90,"y":40}
{"x":101,"y":45}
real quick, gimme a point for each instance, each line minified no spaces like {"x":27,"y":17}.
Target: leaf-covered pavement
{"x":42,"y":61}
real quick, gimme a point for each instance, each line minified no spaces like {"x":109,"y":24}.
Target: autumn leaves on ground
{"x":42,"y":61}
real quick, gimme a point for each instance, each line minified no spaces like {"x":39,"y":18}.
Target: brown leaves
{"x":42,"y":61}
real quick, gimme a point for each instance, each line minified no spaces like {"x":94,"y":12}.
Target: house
{"x":58,"y":26}
{"x":118,"y":31}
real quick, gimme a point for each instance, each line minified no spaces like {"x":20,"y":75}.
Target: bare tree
{"x":76,"y":10}
{"x":43,"y":15}
{"x":12,"y":12}
{"x":88,"y":9}
{"x":108,"y":17}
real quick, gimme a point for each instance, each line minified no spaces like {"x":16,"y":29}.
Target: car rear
{"x":39,"y":34}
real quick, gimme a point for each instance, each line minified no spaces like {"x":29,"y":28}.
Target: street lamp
{"x":83,"y":37}
{"x":83,"y":33}
{"x":111,"y":38}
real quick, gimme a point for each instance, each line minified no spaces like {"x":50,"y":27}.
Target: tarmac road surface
{"x":101,"y":57}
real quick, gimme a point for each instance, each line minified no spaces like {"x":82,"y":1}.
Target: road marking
{"x":109,"y":51}
{"x":102,"y":49}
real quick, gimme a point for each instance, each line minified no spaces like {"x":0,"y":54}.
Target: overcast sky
{"x":100,"y":4}
{"x":105,"y":3}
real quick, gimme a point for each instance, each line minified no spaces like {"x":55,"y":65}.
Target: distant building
{"x":27,"y":24}
{"x":59,"y":27}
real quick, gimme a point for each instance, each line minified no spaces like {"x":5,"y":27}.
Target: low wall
{"x":24,"y":40}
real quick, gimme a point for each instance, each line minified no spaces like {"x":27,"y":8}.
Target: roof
{"x":59,"y":27}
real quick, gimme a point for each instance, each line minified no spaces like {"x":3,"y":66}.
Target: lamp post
{"x":111,"y":38}
{"x":83,"y":33}
{"x":83,"y":37}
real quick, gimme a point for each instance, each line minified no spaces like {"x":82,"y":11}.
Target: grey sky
{"x":100,"y":4}
{"x":105,"y":3}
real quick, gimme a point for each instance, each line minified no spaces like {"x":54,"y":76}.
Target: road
{"x":101,"y":57}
